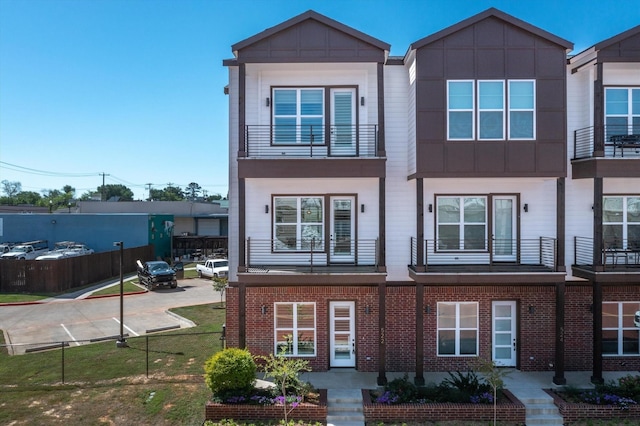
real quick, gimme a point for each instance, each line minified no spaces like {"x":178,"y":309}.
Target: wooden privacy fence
{"x":55,"y":276}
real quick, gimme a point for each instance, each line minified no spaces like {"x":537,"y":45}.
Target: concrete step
{"x":344,"y":407}
{"x":341,"y":420}
{"x":544,"y":420}
{"x":345,"y":423}
{"x":542,"y":409}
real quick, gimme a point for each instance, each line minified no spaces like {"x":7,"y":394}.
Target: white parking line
{"x":70,"y":335}
{"x":125,"y":326}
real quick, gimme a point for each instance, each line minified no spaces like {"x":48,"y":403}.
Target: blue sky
{"x":134,"y":88}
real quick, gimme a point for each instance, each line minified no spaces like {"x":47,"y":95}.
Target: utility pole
{"x":149,"y":190}
{"x":103,"y":174}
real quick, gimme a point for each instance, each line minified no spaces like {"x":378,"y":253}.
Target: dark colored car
{"x":156,"y":273}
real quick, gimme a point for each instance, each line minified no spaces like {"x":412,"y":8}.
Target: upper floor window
{"x":298,"y":116}
{"x":621,"y":222}
{"x":298,"y":222}
{"x":622,"y":111}
{"x":491,"y":109}
{"x":462,"y":223}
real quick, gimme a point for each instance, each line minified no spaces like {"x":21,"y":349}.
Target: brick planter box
{"x":511,"y":411}
{"x":572,"y":412}
{"x":305,"y":411}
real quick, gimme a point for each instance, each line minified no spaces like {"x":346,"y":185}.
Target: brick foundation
{"x":305,"y":411}
{"x":510,"y":412}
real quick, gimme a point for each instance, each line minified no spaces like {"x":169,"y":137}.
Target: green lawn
{"x":104,"y":384}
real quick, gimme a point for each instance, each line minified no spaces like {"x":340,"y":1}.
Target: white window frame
{"x":461,"y":223}
{"x":513,"y":109}
{"x":626,"y":242}
{"x":621,"y":329}
{"x":490,"y":110}
{"x":300,"y":133}
{"x":304,"y":229}
{"x":476,"y":111}
{"x":293,"y":344}
{"x":629,"y":115}
{"x":458,"y":329}
{"x":469,"y":110}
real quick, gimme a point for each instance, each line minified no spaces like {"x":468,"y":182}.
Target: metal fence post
{"x":62,"y":346}
{"x":146,"y":338}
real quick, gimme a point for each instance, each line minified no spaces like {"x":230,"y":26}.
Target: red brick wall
{"x":536,"y":330}
{"x":571,"y":412}
{"x":512,"y":412}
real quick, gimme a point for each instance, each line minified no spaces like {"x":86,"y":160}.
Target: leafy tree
{"x":27,"y":197}
{"x":169,"y":193}
{"x":193,"y":191}
{"x":111,"y":190}
{"x":11,"y":189}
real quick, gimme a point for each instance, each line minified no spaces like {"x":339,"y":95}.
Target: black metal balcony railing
{"x":297,"y":255}
{"x":615,"y":254}
{"x":263,"y":141}
{"x":531,"y":252}
{"x":607,"y":141}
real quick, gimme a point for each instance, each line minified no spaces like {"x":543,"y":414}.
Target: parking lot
{"x":83,"y":320}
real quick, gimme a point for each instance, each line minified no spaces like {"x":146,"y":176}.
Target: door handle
{"x":514,"y":344}
{"x":353,"y":346}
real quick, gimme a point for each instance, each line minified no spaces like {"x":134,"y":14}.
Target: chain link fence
{"x":162,"y":356}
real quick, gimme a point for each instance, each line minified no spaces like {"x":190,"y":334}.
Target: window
{"x":622,"y":111}
{"x":457,"y":328}
{"x":491,"y":109}
{"x":621,"y":222}
{"x":298,"y":116}
{"x":295,"y":329}
{"x":298,"y":221}
{"x":462,"y":223}
{"x":488,"y":119}
{"x":620,"y":336}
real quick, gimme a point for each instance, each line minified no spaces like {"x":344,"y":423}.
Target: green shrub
{"x":230,"y":370}
{"x":403,"y":388}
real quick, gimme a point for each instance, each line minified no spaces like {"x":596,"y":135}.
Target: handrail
{"x":264,"y":141}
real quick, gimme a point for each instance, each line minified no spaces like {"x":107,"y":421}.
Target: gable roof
{"x":491,"y":12}
{"x":617,"y":38}
{"x":310,"y":14}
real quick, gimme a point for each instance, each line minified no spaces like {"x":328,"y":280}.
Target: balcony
{"x":619,"y":261}
{"x":607,"y":141}
{"x":312,"y":261}
{"x":606,"y":151}
{"x":486,"y":261}
{"x":321,"y":141}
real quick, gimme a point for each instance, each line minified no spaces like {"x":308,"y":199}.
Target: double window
{"x":295,"y":329}
{"x":298,"y":223}
{"x":457,"y":328}
{"x":491,"y":109}
{"x":462,"y":222}
{"x":622,"y":111}
{"x":298,"y":116}
{"x":621,"y":222}
{"x":620,"y":333}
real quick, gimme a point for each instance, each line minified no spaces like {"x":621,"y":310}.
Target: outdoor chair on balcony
{"x":622,"y":142}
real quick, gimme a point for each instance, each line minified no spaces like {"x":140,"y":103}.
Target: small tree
{"x":495,"y":377}
{"x":220,"y":285}
{"x":286,"y":375}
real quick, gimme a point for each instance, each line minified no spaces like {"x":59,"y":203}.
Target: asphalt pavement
{"x":78,"y":318}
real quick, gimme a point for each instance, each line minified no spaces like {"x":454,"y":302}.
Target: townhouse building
{"x":418,"y":213}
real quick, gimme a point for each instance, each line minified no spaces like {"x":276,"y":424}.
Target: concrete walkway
{"x":345,"y":398}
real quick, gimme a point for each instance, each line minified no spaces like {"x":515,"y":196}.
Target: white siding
{"x":400,"y":193}
{"x":233,"y":174}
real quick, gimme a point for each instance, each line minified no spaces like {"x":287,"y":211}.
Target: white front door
{"x":342,"y":230}
{"x":342,"y":345}
{"x":343,"y":134}
{"x":504,"y":353}
{"x":505,"y":238}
